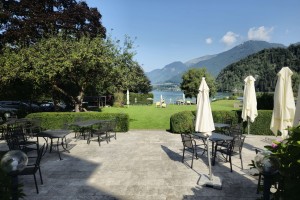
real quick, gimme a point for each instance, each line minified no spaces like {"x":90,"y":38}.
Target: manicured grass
{"x":150,"y":117}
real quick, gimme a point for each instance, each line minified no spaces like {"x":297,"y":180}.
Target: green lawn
{"x":150,"y":117}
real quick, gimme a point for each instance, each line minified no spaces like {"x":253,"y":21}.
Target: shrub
{"x":261,"y":125}
{"x":287,"y":152}
{"x":183,"y":121}
{"x":56,"y":120}
{"x":265,"y":101}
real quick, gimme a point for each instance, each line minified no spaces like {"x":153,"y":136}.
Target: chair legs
{"x":41,"y":176}
{"x":241,"y":160}
{"x":36,"y":187}
{"x":193,"y":155}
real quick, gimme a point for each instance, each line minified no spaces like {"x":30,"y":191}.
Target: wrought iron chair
{"x":189,"y":144}
{"x":17,"y":138}
{"x":32,"y":169}
{"x":99,"y":130}
{"x":111,"y":129}
{"x":230,"y":148}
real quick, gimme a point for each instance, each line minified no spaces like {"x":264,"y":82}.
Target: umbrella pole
{"x":209,"y":160}
{"x":248,"y":124}
{"x":211,"y":181}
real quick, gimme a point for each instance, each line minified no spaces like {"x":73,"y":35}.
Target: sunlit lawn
{"x":150,"y":117}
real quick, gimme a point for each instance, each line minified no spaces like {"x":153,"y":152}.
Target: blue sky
{"x":180,"y":30}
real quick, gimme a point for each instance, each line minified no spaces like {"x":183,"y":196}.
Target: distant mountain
{"x":213,"y":63}
{"x":197,"y":60}
{"x":217,"y":63}
{"x":166,"y":73}
{"x":264,"y":66}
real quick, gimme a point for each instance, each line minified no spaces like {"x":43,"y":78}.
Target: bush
{"x":182,"y":122}
{"x":261,"y":125}
{"x":265,"y":101}
{"x":287,"y":152}
{"x":56,"y":120}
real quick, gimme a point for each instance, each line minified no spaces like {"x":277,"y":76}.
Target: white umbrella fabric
{"x":127,"y":95}
{"x":161,"y":100}
{"x":249,"y":111}
{"x":284,"y":104}
{"x":204,"y":119}
{"x":297,"y":112}
{"x":205,"y":124}
{"x":183,"y":98}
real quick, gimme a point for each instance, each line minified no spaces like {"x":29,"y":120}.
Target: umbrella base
{"x":215,"y":182}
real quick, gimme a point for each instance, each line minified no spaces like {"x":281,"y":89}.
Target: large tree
{"x":66,"y":65}
{"x":67,"y":68}
{"x":26,"y":21}
{"x":191,"y":81}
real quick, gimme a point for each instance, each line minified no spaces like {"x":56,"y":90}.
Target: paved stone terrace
{"x":139,"y":165}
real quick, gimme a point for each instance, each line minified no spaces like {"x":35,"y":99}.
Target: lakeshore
{"x":171,"y":97}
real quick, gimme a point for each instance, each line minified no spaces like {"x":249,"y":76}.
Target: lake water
{"x":171,"y":97}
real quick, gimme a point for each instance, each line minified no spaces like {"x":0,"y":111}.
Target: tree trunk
{"x":78,"y":102}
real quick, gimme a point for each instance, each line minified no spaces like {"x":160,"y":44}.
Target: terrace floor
{"x":140,"y":164}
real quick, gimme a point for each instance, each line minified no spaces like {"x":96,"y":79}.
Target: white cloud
{"x":229,"y":38}
{"x":208,"y":40}
{"x":260,"y":33}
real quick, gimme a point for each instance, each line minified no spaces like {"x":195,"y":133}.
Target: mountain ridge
{"x":214,"y":63}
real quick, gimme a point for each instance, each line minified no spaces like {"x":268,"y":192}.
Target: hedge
{"x":56,"y":120}
{"x":183,"y":122}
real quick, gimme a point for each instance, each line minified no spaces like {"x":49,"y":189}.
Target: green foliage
{"x":182,"y":122}
{"x":141,"y":99}
{"x":261,"y":126}
{"x":264,"y":66}
{"x":67,"y":68}
{"x":191,"y":81}
{"x":56,"y":120}
{"x":265,"y":101}
{"x":47,"y":17}
{"x":288,"y":154}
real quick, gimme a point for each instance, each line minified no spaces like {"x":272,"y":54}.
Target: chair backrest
{"x":16,"y":132}
{"x":34,"y":127}
{"x":12,"y":143}
{"x":238,"y":142}
{"x":102,"y":127}
{"x":228,"y":121}
{"x":187,"y":140}
{"x":235,"y":129}
{"x":40,"y":155}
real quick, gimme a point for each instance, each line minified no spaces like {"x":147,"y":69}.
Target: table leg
{"x":58,"y":148}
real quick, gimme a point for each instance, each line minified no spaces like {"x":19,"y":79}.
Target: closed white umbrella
{"x":284,"y":104}
{"x":204,"y":119}
{"x":297,"y":112}
{"x":183,"y":98}
{"x":205,"y":124}
{"x":127,"y":95}
{"x":249,"y":111}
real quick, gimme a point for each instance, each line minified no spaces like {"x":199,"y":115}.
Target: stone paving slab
{"x":139,"y":165}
